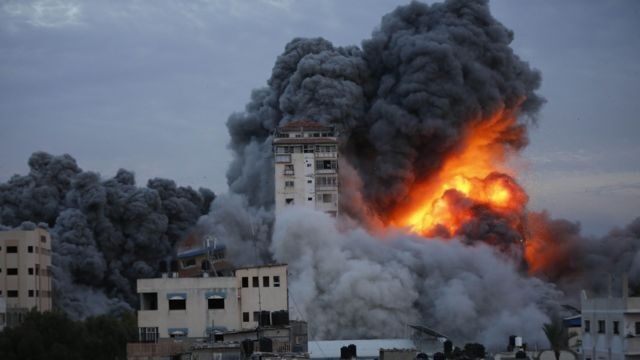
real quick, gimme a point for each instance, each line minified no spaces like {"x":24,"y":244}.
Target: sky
{"x":148,"y":86}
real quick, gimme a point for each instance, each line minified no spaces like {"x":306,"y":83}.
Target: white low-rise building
{"x":200,"y":307}
{"x":611,"y":326}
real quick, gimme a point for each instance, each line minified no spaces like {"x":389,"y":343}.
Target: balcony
{"x":330,"y":155}
{"x":289,"y":172}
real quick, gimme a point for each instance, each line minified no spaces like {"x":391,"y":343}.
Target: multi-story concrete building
{"x":25,"y":271}
{"x":208,"y":306}
{"x":306,"y":166}
{"x":3,"y":313}
{"x":611,"y":326}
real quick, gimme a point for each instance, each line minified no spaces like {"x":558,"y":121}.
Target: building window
{"x":149,"y":301}
{"x":637,"y":327}
{"x":12,"y":293}
{"x":30,"y":249}
{"x":276,"y":281}
{"x":177,"y":304}
{"x":188,"y":263}
{"x":587,"y":326}
{"x":289,"y":184}
{"x":30,"y":271}
{"x":289,"y":201}
{"x":148,"y":334}
{"x":256,"y":316}
{"x":12,"y":271}
{"x":327,"y":198}
{"x":616,"y":327}
{"x":265,"y":281}
{"x":288,"y":169}
{"x":245,"y":282}
{"x":283,"y":158}
{"x":215,"y":304}
{"x":328,"y":181}
{"x":245,"y":317}
{"x":12,"y":249}
{"x":255,"y":281}
{"x":326,"y":164}
{"x":30,"y":293}
{"x":43,"y":239}
{"x":309,"y":199}
{"x":601,"y":327}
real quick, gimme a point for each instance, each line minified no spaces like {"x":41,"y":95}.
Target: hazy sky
{"x":148,"y":86}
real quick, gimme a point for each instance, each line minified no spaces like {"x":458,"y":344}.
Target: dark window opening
{"x":216,"y":303}
{"x":616,"y":327}
{"x":245,"y":317}
{"x":601,"y":327}
{"x":30,"y":293}
{"x":289,"y":201}
{"x":30,"y":248}
{"x":245,"y":282}
{"x":149,"y":301}
{"x":587,"y":326}
{"x":255,"y":281}
{"x":12,"y":293}
{"x":276,"y":281}
{"x":178,"y":304}
{"x":12,"y":271}
{"x":637,"y":327}
{"x":30,"y":271}
{"x":43,"y":239}
{"x":12,"y":249}
{"x":265,"y":281}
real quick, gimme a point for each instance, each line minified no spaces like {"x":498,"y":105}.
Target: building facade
{"x":611,"y":326}
{"x":306,"y":166}
{"x":25,"y":271}
{"x":203,"y":307}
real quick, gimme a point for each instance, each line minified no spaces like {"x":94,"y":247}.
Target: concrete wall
{"x":33,"y":263}
{"x":196,"y":317}
{"x":265,"y":298}
{"x":607,"y":344}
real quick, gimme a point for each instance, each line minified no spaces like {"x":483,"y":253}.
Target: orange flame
{"x":475,"y":174}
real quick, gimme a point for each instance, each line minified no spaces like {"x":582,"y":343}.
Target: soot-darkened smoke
{"x":106,"y":233}
{"x":400,"y":102}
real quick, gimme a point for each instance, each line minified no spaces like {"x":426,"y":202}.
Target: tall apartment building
{"x":611,"y":326}
{"x":306,"y":166}
{"x":25,"y":271}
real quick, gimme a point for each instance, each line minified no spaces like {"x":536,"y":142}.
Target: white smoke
{"x":348,"y":283}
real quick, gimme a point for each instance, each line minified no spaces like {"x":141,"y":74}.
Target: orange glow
{"x":474,"y":175}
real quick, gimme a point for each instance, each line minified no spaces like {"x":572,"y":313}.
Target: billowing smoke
{"x":350,"y":284}
{"x":401,"y":102}
{"x":106,"y":233}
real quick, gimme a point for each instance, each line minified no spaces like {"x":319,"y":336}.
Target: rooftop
{"x":303,"y":124}
{"x":330,"y":349}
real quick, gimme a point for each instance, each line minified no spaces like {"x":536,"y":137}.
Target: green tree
{"x":52,"y":335}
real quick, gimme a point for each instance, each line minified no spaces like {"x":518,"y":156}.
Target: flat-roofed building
{"x":25,"y":271}
{"x":306,"y":166}
{"x":202,"y":307}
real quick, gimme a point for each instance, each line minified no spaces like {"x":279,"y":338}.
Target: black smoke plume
{"x":106,"y":233}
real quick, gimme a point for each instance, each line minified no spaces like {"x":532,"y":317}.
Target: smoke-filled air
{"x":432,"y":111}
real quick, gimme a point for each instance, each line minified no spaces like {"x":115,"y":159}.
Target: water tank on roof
{"x":353,"y":351}
{"x":265,"y":318}
{"x":266,"y":345}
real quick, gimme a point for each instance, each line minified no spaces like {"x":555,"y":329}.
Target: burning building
{"x":306,"y":166}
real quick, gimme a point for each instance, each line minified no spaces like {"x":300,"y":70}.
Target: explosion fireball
{"x":474,"y":178}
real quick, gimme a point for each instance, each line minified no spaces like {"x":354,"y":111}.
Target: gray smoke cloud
{"x":105,"y":233}
{"x":349,"y":284}
{"x":400,"y":102}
